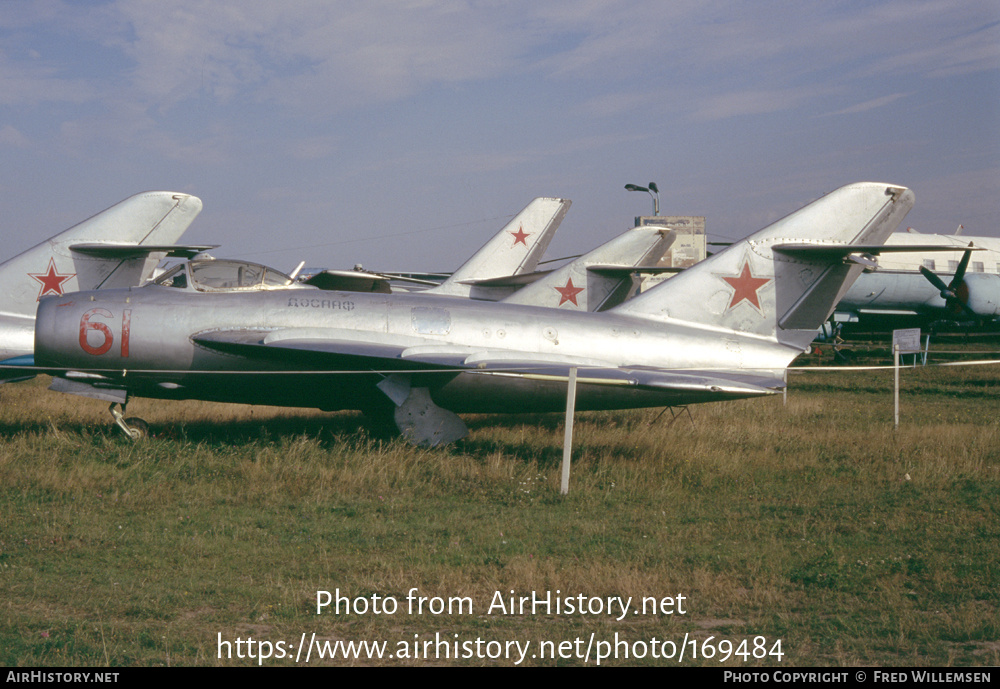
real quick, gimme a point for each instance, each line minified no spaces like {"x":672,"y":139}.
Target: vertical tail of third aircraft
{"x":783,"y":281}
{"x":514,"y":250}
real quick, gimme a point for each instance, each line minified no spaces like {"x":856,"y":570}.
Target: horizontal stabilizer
{"x":122,"y":251}
{"x":350,"y":281}
{"x":624,"y":271}
{"x":509,"y":280}
{"x":783,"y":281}
{"x":832,"y":251}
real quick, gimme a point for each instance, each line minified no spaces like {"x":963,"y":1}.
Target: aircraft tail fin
{"x":602,"y":278}
{"x":515,"y":250}
{"x":783,"y":281}
{"x":118,"y":247}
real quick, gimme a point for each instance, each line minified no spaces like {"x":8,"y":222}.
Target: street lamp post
{"x":652,"y":190}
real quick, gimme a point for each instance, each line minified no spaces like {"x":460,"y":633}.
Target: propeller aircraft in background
{"x":909,"y":288}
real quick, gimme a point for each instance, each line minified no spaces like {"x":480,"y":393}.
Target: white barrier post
{"x":906,"y":341}
{"x":895,"y":367}
{"x":568,"y":438}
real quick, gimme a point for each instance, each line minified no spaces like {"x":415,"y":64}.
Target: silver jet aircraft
{"x":116,"y":248}
{"x":605,"y":277}
{"x":510,"y":254}
{"x":236,"y":332}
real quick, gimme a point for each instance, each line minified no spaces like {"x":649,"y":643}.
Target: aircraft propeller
{"x":955,"y":294}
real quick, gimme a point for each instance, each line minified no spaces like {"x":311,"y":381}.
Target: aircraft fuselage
{"x":898,"y":290}
{"x":150,"y":334}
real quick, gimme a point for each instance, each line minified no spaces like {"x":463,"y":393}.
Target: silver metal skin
{"x":116,"y":248}
{"x":724,"y":329}
{"x":602,"y":278}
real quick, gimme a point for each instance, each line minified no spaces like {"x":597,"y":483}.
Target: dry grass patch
{"x":814,"y":522}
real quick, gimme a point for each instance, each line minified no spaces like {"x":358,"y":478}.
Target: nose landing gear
{"x":134,"y":427}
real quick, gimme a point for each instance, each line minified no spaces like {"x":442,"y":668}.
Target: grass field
{"x":813,"y":523}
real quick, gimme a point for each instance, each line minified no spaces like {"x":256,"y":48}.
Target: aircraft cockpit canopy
{"x":223,"y":276}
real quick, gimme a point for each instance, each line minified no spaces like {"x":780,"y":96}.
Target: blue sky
{"x":403,"y":134}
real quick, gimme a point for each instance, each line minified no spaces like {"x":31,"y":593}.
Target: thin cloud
{"x":12,"y":138}
{"x":751,"y":102}
{"x":869,"y":105}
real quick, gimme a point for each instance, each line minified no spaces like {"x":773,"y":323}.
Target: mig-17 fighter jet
{"x":232,"y":331}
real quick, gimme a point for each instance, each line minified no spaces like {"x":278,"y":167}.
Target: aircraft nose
{"x":53,"y":321}
{"x":44,"y":328}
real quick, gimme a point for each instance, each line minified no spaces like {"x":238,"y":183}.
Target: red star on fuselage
{"x":520,"y":236}
{"x":569,"y":292}
{"x":51,"y":280}
{"x":745,"y":287}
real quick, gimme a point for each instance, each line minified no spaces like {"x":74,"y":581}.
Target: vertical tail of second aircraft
{"x":601,"y":278}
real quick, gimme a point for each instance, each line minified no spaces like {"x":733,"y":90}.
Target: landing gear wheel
{"x":133,"y":427}
{"x":138,"y":429}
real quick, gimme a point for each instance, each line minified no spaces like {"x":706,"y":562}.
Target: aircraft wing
{"x":342,"y":349}
{"x":333,"y":348}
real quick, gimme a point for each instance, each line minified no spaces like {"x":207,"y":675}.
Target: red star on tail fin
{"x":520,"y":236}
{"x":745,"y":287}
{"x":569,"y":292}
{"x":51,"y":280}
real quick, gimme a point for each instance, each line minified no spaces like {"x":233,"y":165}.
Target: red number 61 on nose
{"x":86,"y":325}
